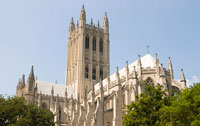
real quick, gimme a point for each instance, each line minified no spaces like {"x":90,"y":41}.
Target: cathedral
{"x":91,"y":96}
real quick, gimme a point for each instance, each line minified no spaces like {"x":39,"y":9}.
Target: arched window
{"x":44,"y":105}
{"x":101,"y":45}
{"x":94,"y":44}
{"x":176,"y":89}
{"x":87,"y":42}
{"x":94,"y":73}
{"x":59,"y":114}
{"x":86,"y":71}
{"x":101,"y":73}
{"x":149,"y":81}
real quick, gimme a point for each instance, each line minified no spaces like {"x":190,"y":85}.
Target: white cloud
{"x":193,"y":80}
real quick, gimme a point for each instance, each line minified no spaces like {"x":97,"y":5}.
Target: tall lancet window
{"x":94,"y":73}
{"x":101,"y":73}
{"x":86,"y":71}
{"x":101,"y":45}
{"x":87,"y":45}
{"x":94,"y":44}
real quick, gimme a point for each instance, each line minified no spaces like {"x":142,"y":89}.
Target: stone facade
{"x":91,"y":97}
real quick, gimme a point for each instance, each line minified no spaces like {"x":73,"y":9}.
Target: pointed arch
{"x":101,"y":45}
{"x":94,"y":43}
{"x":94,"y":73}
{"x":86,"y":71}
{"x":87,"y":45}
{"x":44,"y":105}
{"x":150,"y":81}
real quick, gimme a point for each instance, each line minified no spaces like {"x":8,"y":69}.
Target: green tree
{"x":15,"y":112}
{"x":184,"y":109}
{"x":146,"y":111}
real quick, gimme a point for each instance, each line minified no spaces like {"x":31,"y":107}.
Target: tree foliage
{"x":15,"y":112}
{"x":156,"y":108}
{"x":146,"y":111}
{"x":184,"y":109}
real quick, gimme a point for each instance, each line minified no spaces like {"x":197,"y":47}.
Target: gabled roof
{"x":59,"y":89}
{"x":146,"y":61}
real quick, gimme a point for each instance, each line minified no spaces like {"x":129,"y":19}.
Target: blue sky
{"x":35,"y":32}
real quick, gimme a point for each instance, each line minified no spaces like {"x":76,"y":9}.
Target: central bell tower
{"x":87,"y":54}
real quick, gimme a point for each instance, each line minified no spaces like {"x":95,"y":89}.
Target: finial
{"x":32,"y":71}
{"x":105,"y":16}
{"x":83,"y":8}
{"x":117,"y":69}
{"x":72,"y":20}
{"x":127,"y":63}
{"x":147,"y":46}
{"x":182,"y":76}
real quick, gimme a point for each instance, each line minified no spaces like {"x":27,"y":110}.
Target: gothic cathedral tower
{"x":87,"y":54}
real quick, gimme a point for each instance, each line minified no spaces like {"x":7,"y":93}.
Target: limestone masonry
{"x":91,"y":96}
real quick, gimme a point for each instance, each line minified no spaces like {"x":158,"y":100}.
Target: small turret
{"x":106,"y":24}
{"x":82,"y":17}
{"x":183,"y":80}
{"x":170,"y":68}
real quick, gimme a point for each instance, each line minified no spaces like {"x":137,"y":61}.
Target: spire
{"x":31,"y":81}
{"x":134,"y":72}
{"x":82,"y":17}
{"x":182,"y":76}
{"x":23,"y":80}
{"x":31,"y":75}
{"x":162,"y":71}
{"x":170,"y":67}
{"x":71,"y":26}
{"x":139,"y":67}
{"x":117,"y":75}
{"x":127,"y":69}
{"x":105,"y":24}
{"x":157,"y":60}
{"x":183,"y":80}
{"x":157,"y":65}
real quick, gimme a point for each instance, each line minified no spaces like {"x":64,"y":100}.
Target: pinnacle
{"x":83,"y":8}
